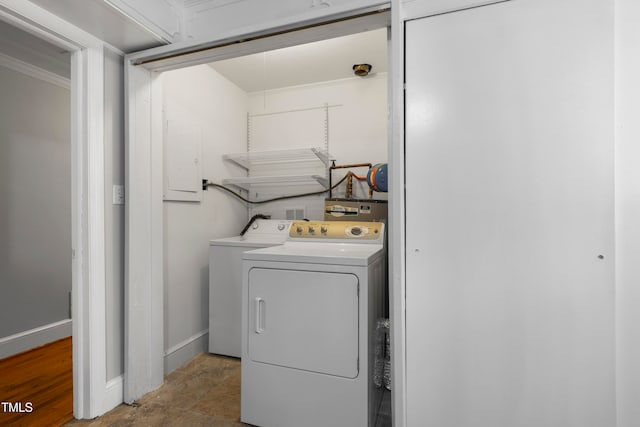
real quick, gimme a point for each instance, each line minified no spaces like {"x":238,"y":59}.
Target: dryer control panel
{"x":337,"y":230}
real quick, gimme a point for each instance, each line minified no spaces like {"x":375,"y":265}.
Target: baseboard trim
{"x":181,"y":353}
{"x":23,"y":341}
{"x":114,"y":394}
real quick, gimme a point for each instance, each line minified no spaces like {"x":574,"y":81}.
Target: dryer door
{"x":304,"y":320}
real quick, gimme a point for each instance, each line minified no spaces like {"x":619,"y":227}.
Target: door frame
{"x":144,"y":304}
{"x":91,"y":394}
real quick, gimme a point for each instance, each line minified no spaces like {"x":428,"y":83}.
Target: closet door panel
{"x":509,"y":216}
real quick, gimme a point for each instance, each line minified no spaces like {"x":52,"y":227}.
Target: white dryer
{"x":225,"y":281}
{"x":308,"y":322}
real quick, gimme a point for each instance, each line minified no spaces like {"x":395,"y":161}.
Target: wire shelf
{"x":251,"y":159}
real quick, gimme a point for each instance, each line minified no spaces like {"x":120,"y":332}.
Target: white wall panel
{"x":182,"y":141}
{"x":221,"y":109}
{"x":509,"y":204}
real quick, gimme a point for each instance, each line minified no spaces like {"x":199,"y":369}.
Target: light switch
{"x":118,"y":194}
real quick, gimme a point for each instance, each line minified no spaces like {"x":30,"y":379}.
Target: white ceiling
{"x":321,"y":61}
{"x":326,"y":60}
{"x":104,"y":22}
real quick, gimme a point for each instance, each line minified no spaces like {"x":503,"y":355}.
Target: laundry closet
{"x":263,"y":126}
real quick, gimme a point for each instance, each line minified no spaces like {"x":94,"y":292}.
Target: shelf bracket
{"x":323,"y":156}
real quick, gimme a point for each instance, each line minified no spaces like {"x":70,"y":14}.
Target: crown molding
{"x":33,"y":71}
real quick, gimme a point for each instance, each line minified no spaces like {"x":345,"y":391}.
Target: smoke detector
{"x":361,"y":70}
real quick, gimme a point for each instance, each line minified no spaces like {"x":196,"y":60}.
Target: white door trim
{"x":144,"y":282}
{"x":396,"y":230}
{"x":87,"y":195}
{"x":89,"y":240}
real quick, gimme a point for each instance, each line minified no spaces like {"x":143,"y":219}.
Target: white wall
{"x":21,"y":45}
{"x":35,"y":212}
{"x":221,"y":109}
{"x":357,"y":134}
{"x":357,"y":126}
{"x":628,"y":211}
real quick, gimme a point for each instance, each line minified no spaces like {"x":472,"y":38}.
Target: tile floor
{"x":203,"y":392}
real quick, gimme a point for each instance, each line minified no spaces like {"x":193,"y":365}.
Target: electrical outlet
{"x":118,"y":194}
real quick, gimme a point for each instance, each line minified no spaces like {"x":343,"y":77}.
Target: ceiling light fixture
{"x":361,"y":70}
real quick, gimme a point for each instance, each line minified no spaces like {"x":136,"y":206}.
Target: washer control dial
{"x":336,"y":230}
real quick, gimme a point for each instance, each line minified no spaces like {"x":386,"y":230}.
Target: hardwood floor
{"x":36,"y":387}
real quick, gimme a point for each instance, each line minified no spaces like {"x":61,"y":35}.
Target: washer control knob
{"x":356,"y":231}
{"x":323,"y":230}
{"x":281,"y":227}
{"x":299,"y":230}
{"x":312,"y":229}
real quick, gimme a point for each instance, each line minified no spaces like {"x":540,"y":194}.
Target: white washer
{"x":308,"y":322}
{"x":225,"y":281}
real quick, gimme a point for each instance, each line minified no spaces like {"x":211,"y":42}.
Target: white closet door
{"x":509,"y":215}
